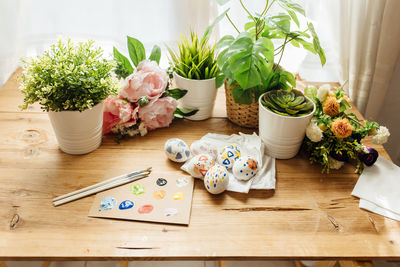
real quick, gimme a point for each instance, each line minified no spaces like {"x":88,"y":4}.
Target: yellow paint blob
{"x":159,"y":194}
{"x":178,"y":196}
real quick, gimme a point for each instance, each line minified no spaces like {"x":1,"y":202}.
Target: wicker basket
{"x":241,"y":114}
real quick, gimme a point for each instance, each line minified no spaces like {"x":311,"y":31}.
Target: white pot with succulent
{"x":283,"y":119}
{"x":70,"y":81}
{"x":195,"y":69}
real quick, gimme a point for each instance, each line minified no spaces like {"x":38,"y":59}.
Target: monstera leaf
{"x":245,"y":60}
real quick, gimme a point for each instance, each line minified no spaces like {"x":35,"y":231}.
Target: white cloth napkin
{"x":379,"y":189}
{"x":250,"y":145}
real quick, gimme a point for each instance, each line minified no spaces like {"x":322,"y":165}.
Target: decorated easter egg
{"x":203,"y":147}
{"x":177,"y":150}
{"x":216,"y":179}
{"x":245,"y":168}
{"x":228,"y":155}
{"x":201,"y":164}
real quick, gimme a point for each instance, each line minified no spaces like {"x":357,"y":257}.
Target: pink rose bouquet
{"x":145,"y":101}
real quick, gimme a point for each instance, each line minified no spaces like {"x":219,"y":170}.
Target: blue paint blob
{"x":187,"y":152}
{"x":215,"y":185}
{"x":127,"y":204}
{"x":169,"y":149}
{"x":178,"y":155}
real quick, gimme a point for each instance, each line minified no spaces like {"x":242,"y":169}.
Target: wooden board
{"x":308,"y":216}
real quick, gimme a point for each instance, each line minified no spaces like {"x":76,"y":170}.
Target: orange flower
{"x":341,"y":128}
{"x":331,"y":106}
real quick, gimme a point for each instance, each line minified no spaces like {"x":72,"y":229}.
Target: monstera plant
{"x":250,"y":61}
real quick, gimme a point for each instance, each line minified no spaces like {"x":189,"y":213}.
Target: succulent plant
{"x":287,"y":103}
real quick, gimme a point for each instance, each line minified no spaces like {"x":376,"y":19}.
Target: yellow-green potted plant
{"x":70,"y":82}
{"x":248,"y":60}
{"x":195,"y":69}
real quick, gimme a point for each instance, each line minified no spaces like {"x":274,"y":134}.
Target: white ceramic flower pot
{"x":78,"y":132}
{"x":282,"y":136}
{"x":201,"y":95}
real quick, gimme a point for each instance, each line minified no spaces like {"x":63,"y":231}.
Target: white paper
{"x":367,"y":205}
{"x":380,"y":185}
{"x":250,"y":145}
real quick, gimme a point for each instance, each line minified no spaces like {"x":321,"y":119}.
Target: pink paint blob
{"x":145,"y":209}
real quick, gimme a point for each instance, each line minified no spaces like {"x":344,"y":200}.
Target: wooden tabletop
{"x":308,"y":216}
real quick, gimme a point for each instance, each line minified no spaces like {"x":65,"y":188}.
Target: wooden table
{"x":308,"y":216}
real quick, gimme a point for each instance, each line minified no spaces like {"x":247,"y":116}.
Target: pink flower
{"x":117,"y":110}
{"x":158,"y":113}
{"x":147,"y":80}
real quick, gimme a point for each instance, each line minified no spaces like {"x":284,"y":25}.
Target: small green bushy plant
{"x":68,"y":76}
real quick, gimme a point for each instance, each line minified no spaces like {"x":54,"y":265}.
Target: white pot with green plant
{"x":70,"y":81}
{"x":250,"y":61}
{"x":195,"y":69}
{"x":284,"y":116}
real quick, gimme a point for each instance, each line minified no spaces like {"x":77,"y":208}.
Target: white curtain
{"x":27,"y":27}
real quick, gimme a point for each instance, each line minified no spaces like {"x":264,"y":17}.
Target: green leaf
{"x":281,"y":21}
{"x":219,"y":80}
{"x":242,"y":96}
{"x":247,"y":59}
{"x":225,"y":41}
{"x":209,"y":29}
{"x":136,"y":50}
{"x":143,"y":101}
{"x":344,"y":105}
{"x":287,"y":77}
{"x":310,"y":91}
{"x":184,"y":112}
{"x":294,"y":6}
{"x":175,"y":93}
{"x":316,"y":44}
{"x":123,"y":60}
{"x":155,"y":54}
{"x":292,"y":14}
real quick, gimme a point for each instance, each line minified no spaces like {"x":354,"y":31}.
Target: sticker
{"x":178,"y":196}
{"x":145,"y":209}
{"x":181,"y":182}
{"x":170,"y":212}
{"x":137,"y":189}
{"x":159,"y":194}
{"x":161,"y":182}
{"x":108,"y":203}
{"x":127,"y":204}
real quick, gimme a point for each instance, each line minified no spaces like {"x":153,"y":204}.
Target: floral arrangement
{"x":145,"y":101}
{"x":68,"y":76}
{"x":334,"y":134}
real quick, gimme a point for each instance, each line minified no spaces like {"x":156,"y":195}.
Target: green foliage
{"x":195,"y":59}
{"x":68,"y":76}
{"x":241,"y":58}
{"x":180,"y":113}
{"x":287,"y":103}
{"x":137,"y":54}
{"x":319,"y":152}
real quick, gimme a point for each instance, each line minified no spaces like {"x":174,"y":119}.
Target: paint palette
{"x":165,"y":198}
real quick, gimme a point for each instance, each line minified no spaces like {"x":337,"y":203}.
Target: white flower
{"x":313,"y":132}
{"x":323,"y":92}
{"x":335,"y":164}
{"x":382,"y":135}
{"x":142,"y":129}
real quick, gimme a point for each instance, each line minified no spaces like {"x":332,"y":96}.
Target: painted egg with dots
{"x":203,"y":147}
{"x":216,"y":179}
{"x":228,"y":155}
{"x":201,"y":164}
{"x":177,"y":150}
{"x":245,"y":168}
